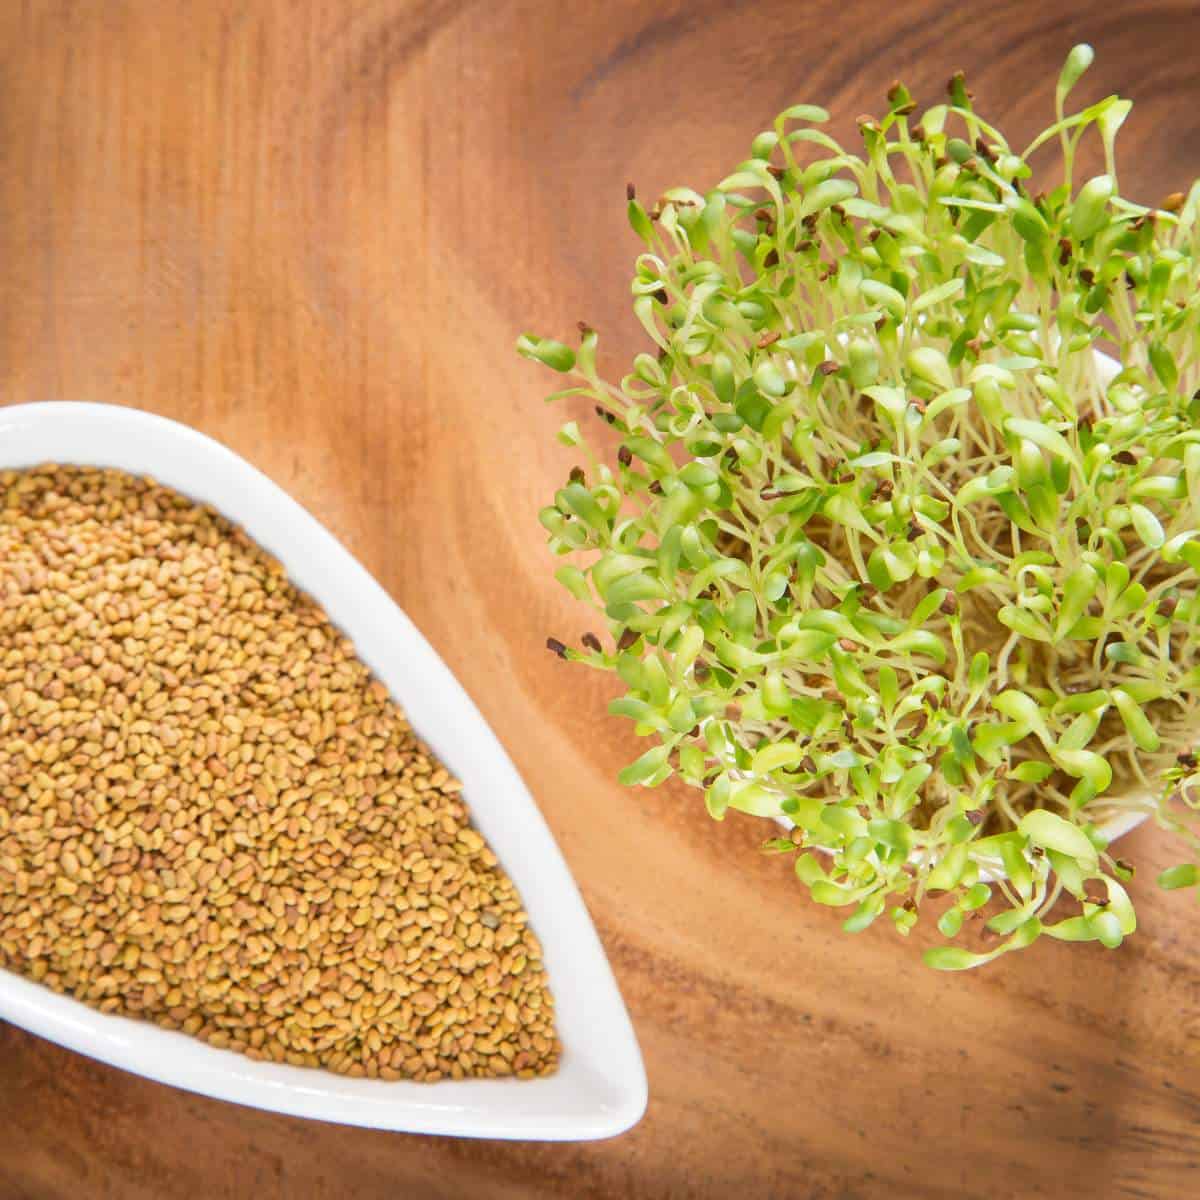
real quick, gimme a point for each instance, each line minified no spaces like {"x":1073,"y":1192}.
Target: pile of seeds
{"x":212,"y":817}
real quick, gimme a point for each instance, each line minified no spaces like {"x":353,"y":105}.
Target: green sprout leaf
{"x":639,"y":222}
{"x":645,"y":767}
{"x":1078,"y":61}
{"x":1052,"y":832}
{"x":1136,"y":722}
{"x":546,"y":351}
{"x":1182,"y":876}
{"x":1147,"y":526}
{"x":954,"y":958}
{"x":1089,"y":213}
{"x":1107,"y":928}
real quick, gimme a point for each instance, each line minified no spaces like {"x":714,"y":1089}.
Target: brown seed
{"x":231,"y":818}
{"x":627,"y":639}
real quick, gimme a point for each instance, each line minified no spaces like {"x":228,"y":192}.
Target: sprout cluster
{"x":888,"y":547}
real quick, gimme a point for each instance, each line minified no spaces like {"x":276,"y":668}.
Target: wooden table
{"x":313,"y":229}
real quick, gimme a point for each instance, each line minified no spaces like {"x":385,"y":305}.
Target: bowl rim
{"x":600,"y":1088}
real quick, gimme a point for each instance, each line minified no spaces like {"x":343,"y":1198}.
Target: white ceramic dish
{"x":600,"y":1088}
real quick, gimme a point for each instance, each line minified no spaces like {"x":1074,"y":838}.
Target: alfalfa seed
{"x":212,"y":817}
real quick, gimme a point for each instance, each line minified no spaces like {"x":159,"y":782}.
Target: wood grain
{"x":312,"y":229}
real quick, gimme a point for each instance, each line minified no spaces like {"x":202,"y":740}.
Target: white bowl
{"x":600,"y":1087}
